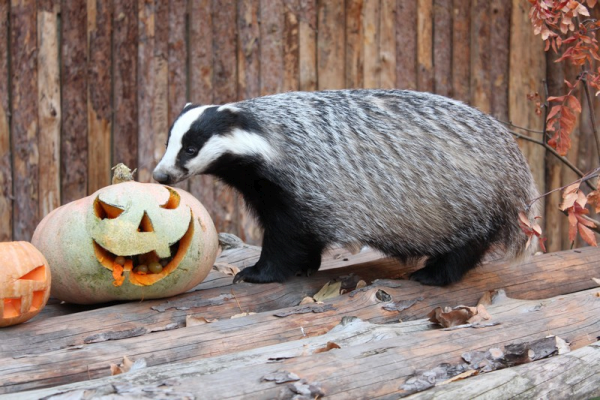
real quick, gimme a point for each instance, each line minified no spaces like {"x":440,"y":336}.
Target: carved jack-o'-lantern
{"x":127,"y":241}
{"x":24,"y":282}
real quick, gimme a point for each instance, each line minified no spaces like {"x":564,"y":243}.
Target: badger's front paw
{"x":256,"y":274}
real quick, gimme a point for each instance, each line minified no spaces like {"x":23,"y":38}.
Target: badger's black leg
{"x":449,"y":268}
{"x":281,"y":258}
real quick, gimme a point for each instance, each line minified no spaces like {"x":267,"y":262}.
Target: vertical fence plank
{"x":307,"y":32}
{"x":146,"y":89}
{"x":99,"y":105}
{"x":527,"y":69}
{"x":442,"y":46}
{"x":24,"y":123}
{"x":248,"y":56}
{"x":461,"y":50}
{"x":481,"y":86}
{"x":224,"y":36}
{"x":291,"y":73}
{"x":125,"y":121}
{"x":330,"y":44}
{"x":406,"y":44}
{"x":177,"y":57}
{"x":49,"y":110}
{"x":370,"y":42}
{"x":5,"y":151}
{"x":425,"y":45}
{"x":74,"y":146}
{"x":248,"y":61}
{"x":354,"y":44}
{"x":160,"y":100}
{"x":201,"y":84}
{"x":271,"y":46}
{"x":387,"y":44}
{"x":499,"y":48}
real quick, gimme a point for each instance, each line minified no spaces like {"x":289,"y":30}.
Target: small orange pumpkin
{"x":104,"y":247}
{"x":24,"y":282}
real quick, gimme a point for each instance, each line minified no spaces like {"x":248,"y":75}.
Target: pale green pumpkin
{"x":140,"y":223}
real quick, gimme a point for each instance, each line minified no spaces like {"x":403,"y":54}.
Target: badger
{"x":413,"y":175}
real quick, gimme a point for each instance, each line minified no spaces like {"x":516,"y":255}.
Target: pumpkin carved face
{"x":24,"y":282}
{"x":128,"y":241}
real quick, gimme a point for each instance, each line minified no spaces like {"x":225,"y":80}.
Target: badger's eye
{"x":191,"y":151}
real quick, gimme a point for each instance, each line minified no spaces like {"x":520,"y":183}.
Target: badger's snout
{"x":162,"y":177}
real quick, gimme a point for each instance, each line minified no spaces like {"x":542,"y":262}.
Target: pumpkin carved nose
{"x":161,"y":177}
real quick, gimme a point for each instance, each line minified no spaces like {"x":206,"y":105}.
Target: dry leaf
{"x":281,"y":377}
{"x":361,"y":284}
{"x":193,"y":321}
{"x":329,"y":291}
{"x":307,"y":300}
{"x":330,"y":345}
{"x":127,"y":365}
{"x":244,"y":314}
{"x":225,"y":268}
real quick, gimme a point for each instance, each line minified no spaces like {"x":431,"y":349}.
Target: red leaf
{"x":587,"y":235}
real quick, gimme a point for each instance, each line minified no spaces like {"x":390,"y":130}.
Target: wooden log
{"x":103,"y":336}
{"x":570,"y":376}
{"x":99,"y":105}
{"x":271,"y":46}
{"x":370,"y":43}
{"x":499,"y":50}
{"x":307,"y":52}
{"x":125,"y":122}
{"x":461,"y":50}
{"x":5,"y":150}
{"x":387,"y":44}
{"x":406,"y":44}
{"x":481,"y":87}
{"x":354,"y":360}
{"x":74,"y":141}
{"x":330,"y":45}
{"x":24,"y":117}
{"x":442,"y":51}
{"x":425,"y":45}
{"x":355,"y":49}
{"x":49,"y":111}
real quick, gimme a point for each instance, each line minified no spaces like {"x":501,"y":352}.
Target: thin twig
{"x":512,"y":125}
{"x":591,"y":110}
{"x":585,"y":178}
{"x":551,"y":150}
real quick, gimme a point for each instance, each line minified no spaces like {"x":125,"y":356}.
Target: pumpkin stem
{"x":122,"y":173}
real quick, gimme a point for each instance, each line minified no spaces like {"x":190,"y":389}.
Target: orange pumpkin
{"x":127,"y":241}
{"x":24,"y":282}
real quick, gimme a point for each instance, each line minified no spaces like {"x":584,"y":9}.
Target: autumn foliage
{"x":567,"y":29}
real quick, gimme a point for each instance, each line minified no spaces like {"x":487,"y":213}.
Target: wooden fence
{"x":87,"y":84}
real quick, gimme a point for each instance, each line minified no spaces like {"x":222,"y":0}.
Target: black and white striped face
{"x":202,"y":135}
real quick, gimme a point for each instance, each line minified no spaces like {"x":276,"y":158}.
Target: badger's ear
{"x":187,"y":107}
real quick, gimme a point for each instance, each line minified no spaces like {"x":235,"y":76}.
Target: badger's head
{"x":205,"y":139}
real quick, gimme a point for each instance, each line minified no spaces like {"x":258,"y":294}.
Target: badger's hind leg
{"x":281,"y":258}
{"x":444,"y":269}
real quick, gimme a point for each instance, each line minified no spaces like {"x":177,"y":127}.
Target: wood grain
{"x":125,"y":121}
{"x":6,"y":169}
{"x":74,"y":143}
{"x":406,"y":44}
{"x":271,"y":48}
{"x":355,"y":49}
{"x":425,"y":45}
{"x":499,"y":49}
{"x":307,"y":52}
{"x":387,"y":44}
{"x":442,"y":52}
{"x":24,"y":117}
{"x":461,"y":50}
{"x":330,"y":45}
{"x":99,"y":104}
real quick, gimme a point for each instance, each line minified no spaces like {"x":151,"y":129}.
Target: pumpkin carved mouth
{"x":145,"y":268}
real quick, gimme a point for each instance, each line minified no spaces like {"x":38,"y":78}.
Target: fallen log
{"x":356,"y":360}
{"x":575,"y":375}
